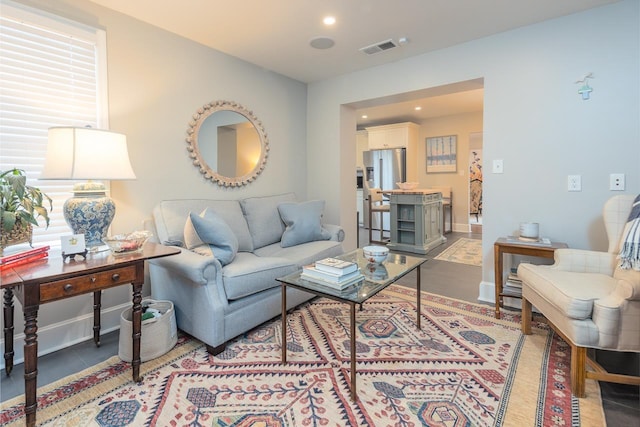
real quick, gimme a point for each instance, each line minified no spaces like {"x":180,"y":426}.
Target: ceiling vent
{"x":378,"y":47}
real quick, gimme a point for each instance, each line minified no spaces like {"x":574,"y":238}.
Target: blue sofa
{"x":215,"y":302}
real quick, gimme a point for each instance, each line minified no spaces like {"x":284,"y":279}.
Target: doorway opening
{"x":475,"y":182}
{"x":453,"y":109}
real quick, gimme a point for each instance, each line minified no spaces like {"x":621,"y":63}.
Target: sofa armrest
{"x":337,"y":232}
{"x":195,"y":267}
{"x":584,"y":261}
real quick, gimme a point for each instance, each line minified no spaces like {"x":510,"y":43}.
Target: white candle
{"x":530,"y":230}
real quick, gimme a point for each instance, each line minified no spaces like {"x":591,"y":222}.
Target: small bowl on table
{"x":375,"y":254}
{"x":407,"y":185}
{"x":125,"y":244}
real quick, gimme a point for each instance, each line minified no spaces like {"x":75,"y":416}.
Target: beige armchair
{"x":589,"y":300}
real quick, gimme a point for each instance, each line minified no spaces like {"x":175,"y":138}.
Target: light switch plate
{"x":498,"y":166}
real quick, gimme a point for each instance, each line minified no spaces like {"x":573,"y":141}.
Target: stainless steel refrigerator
{"x":382,"y":169}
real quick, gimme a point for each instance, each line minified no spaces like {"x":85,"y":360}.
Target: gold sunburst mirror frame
{"x":227,"y":143}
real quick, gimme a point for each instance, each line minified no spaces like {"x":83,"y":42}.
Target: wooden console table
{"x":52,"y":279}
{"x":507,"y":246}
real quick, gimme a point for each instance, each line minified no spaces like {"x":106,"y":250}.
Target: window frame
{"x":60,"y":190}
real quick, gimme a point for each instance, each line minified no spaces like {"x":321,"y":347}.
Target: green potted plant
{"x":20,"y":205}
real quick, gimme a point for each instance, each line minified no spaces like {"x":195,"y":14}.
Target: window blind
{"x":52,"y":73}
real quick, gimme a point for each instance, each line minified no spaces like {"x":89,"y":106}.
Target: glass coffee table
{"x":377,"y":278}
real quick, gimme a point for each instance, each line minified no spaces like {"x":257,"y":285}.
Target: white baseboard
{"x":487,"y":292}
{"x":64,"y":334}
{"x":463,"y":228}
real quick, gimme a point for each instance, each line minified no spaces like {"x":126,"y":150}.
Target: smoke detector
{"x":378,"y":47}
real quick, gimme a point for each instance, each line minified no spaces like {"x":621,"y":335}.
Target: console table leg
{"x":8,"y":330}
{"x":30,"y":363}
{"x":97,"y":304}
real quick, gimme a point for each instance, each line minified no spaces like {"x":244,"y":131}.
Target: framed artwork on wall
{"x":442,"y":153}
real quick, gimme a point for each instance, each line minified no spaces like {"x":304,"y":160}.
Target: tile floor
{"x":621,"y":402}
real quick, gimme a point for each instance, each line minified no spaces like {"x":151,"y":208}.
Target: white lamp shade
{"x":86,"y":153}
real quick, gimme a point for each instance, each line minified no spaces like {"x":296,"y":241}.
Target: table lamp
{"x":75,"y":153}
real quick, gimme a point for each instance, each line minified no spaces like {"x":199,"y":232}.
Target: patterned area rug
{"x":463,"y":251}
{"x":464,"y":368}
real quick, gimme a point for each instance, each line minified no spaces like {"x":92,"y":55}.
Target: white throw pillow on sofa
{"x":208,"y":233}
{"x":303,"y":222}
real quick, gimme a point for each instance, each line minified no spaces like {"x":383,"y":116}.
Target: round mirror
{"x":227,"y":143}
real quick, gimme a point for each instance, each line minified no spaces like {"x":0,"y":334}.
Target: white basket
{"x":159,"y":335}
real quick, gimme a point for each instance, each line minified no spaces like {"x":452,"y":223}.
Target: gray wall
{"x":533,"y":119}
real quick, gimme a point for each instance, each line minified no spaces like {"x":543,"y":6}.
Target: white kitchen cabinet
{"x":397,"y":135}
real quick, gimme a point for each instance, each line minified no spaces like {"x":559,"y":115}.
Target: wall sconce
{"x":85,"y":153}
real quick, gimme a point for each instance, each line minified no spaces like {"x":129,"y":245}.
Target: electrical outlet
{"x":574,"y":183}
{"x":616,"y":182}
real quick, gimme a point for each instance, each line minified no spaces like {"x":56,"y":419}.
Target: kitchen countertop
{"x":414,"y":191}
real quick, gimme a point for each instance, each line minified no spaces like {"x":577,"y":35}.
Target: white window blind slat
{"x":51,"y":74}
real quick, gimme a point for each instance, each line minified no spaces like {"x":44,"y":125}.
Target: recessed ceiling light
{"x":418,"y":108}
{"x":322,"y":42}
{"x":329,"y":20}
{"x":364,"y":116}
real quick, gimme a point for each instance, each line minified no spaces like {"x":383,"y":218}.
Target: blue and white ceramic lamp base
{"x":90,"y":212}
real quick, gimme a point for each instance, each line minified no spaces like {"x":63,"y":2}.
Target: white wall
{"x":534,"y":120}
{"x":462,"y":125}
{"x":157,"y":81}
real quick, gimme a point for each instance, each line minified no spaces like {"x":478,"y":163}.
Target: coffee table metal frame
{"x":377,"y":278}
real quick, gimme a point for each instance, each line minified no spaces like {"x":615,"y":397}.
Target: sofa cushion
{"x":209,"y":231}
{"x":170,"y":217}
{"x":303,"y":222}
{"x":304,"y":253}
{"x":263,"y":218}
{"x":249,"y":274}
{"x":573,"y":294}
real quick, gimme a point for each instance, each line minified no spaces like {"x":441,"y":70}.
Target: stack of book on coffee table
{"x":333,"y":273}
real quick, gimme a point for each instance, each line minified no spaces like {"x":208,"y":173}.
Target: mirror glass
{"x":227,"y":143}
